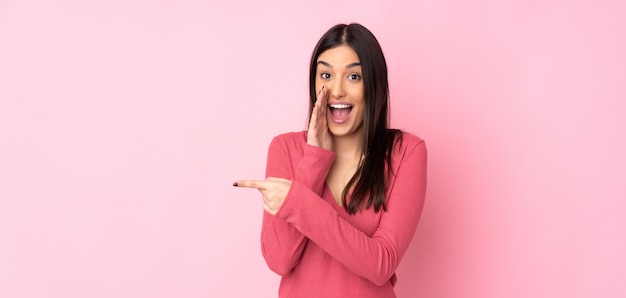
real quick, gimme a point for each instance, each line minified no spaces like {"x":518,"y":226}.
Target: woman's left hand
{"x":274,"y":191}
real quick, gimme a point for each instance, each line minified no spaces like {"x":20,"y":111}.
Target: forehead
{"x":339,"y":56}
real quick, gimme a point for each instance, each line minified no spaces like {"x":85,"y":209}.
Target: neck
{"x":349,"y":146}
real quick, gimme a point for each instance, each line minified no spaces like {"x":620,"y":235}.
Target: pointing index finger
{"x":249,"y":184}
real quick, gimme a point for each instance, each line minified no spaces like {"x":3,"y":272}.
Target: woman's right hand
{"x":318,"y":134}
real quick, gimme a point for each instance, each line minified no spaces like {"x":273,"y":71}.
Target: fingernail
{"x":235,"y":184}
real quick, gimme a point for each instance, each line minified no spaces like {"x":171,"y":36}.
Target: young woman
{"x":342,"y":200}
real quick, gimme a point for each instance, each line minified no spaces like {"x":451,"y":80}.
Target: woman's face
{"x":339,"y":69}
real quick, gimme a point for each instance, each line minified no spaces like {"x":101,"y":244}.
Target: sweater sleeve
{"x":281,"y":243}
{"x":374,"y":258}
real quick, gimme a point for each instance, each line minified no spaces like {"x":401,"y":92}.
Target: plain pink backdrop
{"x":124,"y":123}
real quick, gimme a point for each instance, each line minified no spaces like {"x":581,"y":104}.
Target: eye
{"x":354,"y":77}
{"x":325,"y":75}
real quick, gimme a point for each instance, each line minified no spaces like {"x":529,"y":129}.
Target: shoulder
{"x":409,"y":153}
{"x":289,"y":141}
{"x":411,"y":138}
{"x":291,"y":138}
{"x":406,"y":141}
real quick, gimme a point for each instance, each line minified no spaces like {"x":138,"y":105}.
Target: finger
{"x":313,"y":121}
{"x":319,"y":101}
{"x":323,"y":104}
{"x":319,"y":94}
{"x":249,"y":184}
{"x":312,"y":131}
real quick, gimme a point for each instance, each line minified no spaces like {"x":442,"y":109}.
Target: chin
{"x":342,"y":131}
{"x":337,"y":132}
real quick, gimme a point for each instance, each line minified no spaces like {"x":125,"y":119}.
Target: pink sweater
{"x":316,"y":246}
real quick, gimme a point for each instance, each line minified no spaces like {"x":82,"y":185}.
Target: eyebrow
{"x":354,"y":64}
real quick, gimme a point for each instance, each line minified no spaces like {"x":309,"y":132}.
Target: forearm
{"x":374,"y":258}
{"x":281,"y":243}
{"x":311,"y":170}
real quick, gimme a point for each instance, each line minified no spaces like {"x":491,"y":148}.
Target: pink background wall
{"x":123,"y":124}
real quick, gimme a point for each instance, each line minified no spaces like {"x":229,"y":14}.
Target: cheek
{"x":357,"y":91}
{"x":360,"y":113}
{"x":360,"y":93}
{"x":318,"y":84}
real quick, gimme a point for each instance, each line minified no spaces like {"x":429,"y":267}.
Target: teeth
{"x":340,"y":106}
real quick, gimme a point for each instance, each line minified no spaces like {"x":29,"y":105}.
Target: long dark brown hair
{"x":372,"y":175}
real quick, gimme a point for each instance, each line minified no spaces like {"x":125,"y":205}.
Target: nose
{"x":337,"y":89}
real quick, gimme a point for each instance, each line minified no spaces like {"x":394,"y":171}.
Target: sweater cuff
{"x":290,"y":200}
{"x":319,"y":152}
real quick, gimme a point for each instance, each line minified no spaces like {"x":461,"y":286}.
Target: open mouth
{"x":340,"y":112}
